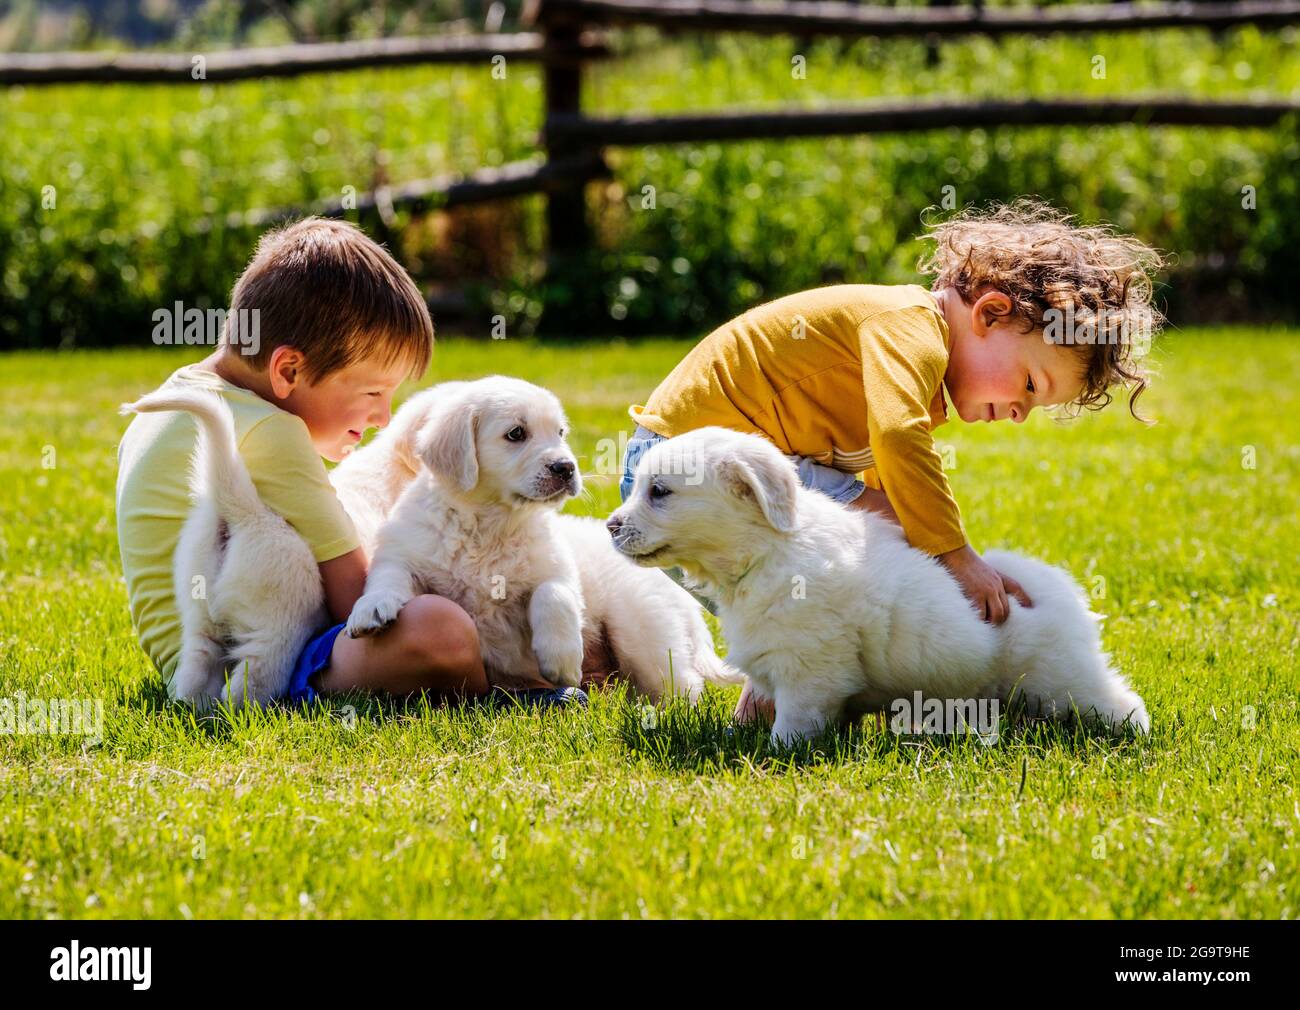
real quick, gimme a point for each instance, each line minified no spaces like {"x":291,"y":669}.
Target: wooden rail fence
{"x":568,"y":33}
{"x":850,"y":19}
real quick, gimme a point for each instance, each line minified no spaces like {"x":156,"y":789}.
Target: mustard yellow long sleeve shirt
{"x":851,"y":375}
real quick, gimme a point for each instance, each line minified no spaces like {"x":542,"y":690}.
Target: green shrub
{"x":144,"y":177}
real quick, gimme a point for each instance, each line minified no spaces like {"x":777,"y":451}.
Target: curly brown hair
{"x":1053,"y":268}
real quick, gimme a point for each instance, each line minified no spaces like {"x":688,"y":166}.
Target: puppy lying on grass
{"x":832,"y":614}
{"x":478,"y":525}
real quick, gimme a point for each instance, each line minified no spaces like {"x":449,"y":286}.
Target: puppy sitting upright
{"x":477,"y":524}
{"x":246,"y":583}
{"x":831,"y":613}
{"x":478,"y":527}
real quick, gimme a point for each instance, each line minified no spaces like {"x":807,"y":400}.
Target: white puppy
{"x":478,"y":525}
{"x":831,"y":613}
{"x":247,"y":585}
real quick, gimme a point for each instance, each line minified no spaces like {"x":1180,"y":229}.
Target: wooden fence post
{"x":932,"y":43}
{"x":566,"y":207}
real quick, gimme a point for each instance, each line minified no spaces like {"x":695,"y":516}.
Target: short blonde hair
{"x":1043,"y":261}
{"x":323,"y":287}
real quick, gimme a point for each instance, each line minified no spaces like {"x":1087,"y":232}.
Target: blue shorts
{"x":315,"y":656}
{"x":838,"y":485}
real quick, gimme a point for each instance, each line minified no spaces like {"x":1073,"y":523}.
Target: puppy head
{"x":500,"y":440}
{"x":708,"y":493}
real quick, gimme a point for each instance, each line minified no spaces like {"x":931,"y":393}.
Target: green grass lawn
{"x":1184,"y":532}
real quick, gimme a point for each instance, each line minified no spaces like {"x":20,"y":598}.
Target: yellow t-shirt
{"x":153,"y":478}
{"x":851,"y":375}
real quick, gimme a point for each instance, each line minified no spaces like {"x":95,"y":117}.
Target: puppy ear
{"x":407,"y":426}
{"x":769,"y":479}
{"x":446,"y":444}
{"x":404,"y":450}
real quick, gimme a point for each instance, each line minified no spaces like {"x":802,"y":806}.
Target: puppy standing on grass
{"x":247,"y":586}
{"x":478,"y":526}
{"x":832,"y":614}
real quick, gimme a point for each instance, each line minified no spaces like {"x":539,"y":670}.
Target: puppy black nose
{"x":562,"y":468}
{"x":613,"y":524}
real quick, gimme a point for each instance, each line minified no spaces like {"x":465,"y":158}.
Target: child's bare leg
{"x":598,"y":663}
{"x":432,"y":646}
{"x":753,"y":706}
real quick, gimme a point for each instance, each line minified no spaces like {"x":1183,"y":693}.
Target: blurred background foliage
{"x":113,"y":199}
{"x":32,"y":25}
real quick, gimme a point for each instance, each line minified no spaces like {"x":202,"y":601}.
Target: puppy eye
{"x":516,"y":434}
{"x":657,"y":490}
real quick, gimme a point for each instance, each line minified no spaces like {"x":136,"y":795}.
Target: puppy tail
{"x":219,"y":470}
{"x":707,"y":662}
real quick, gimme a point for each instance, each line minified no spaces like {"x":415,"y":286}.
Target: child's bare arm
{"x":344,"y":579}
{"x":872,"y":500}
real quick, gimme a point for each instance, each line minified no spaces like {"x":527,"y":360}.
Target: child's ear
{"x":285,"y":370}
{"x":990,"y":309}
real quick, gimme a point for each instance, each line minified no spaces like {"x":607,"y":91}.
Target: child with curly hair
{"x":1027,"y":309}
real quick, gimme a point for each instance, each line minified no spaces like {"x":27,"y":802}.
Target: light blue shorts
{"x":836,"y":484}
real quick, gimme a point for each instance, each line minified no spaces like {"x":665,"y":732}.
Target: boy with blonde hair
{"x":340,"y":325}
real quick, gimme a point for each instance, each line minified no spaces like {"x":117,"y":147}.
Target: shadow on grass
{"x":222,"y":722}
{"x":675,"y":736}
{"x":704,"y":739}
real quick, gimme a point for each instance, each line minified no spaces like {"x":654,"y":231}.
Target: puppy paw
{"x":234,"y":689}
{"x":786,"y":738}
{"x":373,"y":612}
{"x":559,"y":657}
{"x":202,"y":703}
{"x":793,"y":726}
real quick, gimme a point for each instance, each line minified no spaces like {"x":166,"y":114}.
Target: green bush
{"x":144,"y":177}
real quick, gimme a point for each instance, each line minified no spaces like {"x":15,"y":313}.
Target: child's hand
{"x":983,"y":584}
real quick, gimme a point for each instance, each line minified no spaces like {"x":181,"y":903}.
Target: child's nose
{"x":1019,"y":412}
{"x":381,"y":417}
